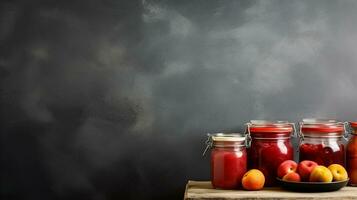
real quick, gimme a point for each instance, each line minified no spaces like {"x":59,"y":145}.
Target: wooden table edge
{"x":193,"y":184}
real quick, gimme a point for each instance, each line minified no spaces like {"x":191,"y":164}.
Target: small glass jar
{"x":228,"y":159}
{"x":270,"y":146}
{"x":321,"y":141}
{"x":352,"y":155}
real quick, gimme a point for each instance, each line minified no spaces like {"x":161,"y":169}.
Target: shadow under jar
{"x":352,"y":155}
{"x":270,"y":146}
{"x":228,"y":159}
{"x":322,"y":141}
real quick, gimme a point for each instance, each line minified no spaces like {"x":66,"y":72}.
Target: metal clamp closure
{"x":347,"y":130}
{"x":295,"y":133}
{"x":248,"y":137}
{"x":208,"y":143}
{"x":300,"y":134}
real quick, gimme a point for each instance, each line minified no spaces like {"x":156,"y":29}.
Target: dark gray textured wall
{"x":110,"y":99}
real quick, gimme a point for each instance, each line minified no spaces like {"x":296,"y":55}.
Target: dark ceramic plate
{"x":312,"y":186}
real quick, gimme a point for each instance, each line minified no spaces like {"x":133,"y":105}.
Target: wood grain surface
{"x":202,"y":190}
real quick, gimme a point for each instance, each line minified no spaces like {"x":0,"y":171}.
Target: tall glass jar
{"x":322,"y":141}
{"x":270,"y":146}
{"x":352,"y":155}
{"x":228,"y":159}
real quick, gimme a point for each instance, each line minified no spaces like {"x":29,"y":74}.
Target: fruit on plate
{"x":253,"y":180}
{"x":339,"y":173}
{"x":305,"y":168}
{"x":286,"y":167}
{"x":292,"y":176}
{"x":321,"y":174}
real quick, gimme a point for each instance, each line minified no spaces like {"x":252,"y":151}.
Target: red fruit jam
{"x":322,"y":142}
{"x":323,"y":154}
{"x":352,"y":155}
{"x":271,"y":145}
{"x":228,"y":160}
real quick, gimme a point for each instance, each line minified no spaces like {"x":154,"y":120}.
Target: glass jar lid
{"x":322,"y":126}
{"x":270,"y":129}
{"x":264,"y":126}
{"x":229,"y":140}
{"x":227,"y":137}
{"x":353,"y":124}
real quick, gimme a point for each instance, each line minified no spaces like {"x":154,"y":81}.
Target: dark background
{"x":112,"y":99}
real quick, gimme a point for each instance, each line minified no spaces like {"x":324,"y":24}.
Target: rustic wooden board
{"x":202,"y":190}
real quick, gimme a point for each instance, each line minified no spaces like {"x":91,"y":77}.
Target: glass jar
{"x":321,"y":141}
{"x":352,"y":155}
{"x":270,"y":146}
{"x":228,"y":159}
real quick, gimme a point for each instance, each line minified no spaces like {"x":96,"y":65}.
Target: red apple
{"x":292,"y":176}
{"x":305,"y":168}
{"x":286,"y":167}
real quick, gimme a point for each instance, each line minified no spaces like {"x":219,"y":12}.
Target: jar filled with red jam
{"x":352,"y":155}
{"x":228,"y":159}
{"x":322,"y":141}
{"x":270,"y":146}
